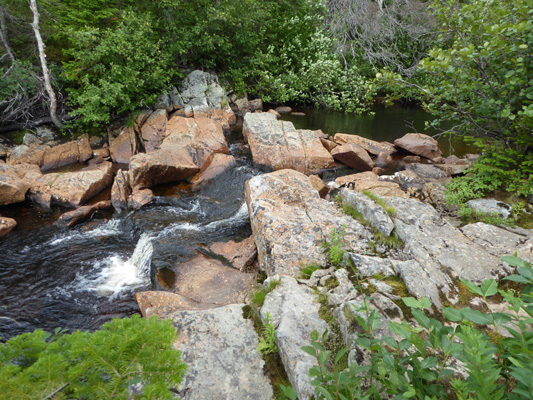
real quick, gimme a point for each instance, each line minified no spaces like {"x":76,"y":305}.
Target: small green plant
{"x":352,"y":212}
{"x":267,"y":341}
{"x":421,"y":364}
{"x":335,"y":247}
{"x":98,"y":365}
{"x":381,"y":201}
{"x":307,"y":271}
{"x":469,"y":215}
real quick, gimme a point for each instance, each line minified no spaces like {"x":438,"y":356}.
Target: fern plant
{"x":103,"y":364}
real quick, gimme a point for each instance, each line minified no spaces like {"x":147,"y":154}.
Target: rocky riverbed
{"x":292,"y":212}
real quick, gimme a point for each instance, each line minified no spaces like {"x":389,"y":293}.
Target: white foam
{"x":110,"y":228}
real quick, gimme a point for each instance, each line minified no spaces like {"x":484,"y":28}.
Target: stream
{"x":80,"y":278}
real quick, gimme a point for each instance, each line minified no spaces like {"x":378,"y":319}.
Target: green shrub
{"x":98,"y":365}
{"x":335,"y":247}
{"x":422,"y":364}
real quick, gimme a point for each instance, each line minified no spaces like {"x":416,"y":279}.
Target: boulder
{"x":419,"y":144}
{"x":371,"y":146}
{"x":140,"y":198}
{"x":208,"y":281}
{"x":72,"y":189}
{"x":6,"y":226}
{"x":278,"y":145}
{"x":408,"y":181}
{"x":164,"y":304}
{"x":202,"y":95}
{"x":124,"y":146}
{"x":411,"y":159}
{"x":30,"y":139}
{"x":26,"y":155}
{"x":290,"y":222}
{"x":293,"y":310}
{"x":58,"y":156}
{"x":215,"y":165}
{"x":369,"y":266}
{"x":15,"y":181}
{"x":219,"y":347}
{"x":274,"y":112}
{"x":239,"y":254}
{"x":243,"y":106}
{"x":121,"y":191}
{"x":369,"y":209}
{"x":72,"y":218}
{"x":256,"y":105}
{"x":354,"y":156}
{"x":153,"y":131}
{"x":371,"y":182}
{"x":162,"y":166}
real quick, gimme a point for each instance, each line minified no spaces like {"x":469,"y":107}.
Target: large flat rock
{"x":290,"y":222}
{"x":278,"y":145}
{"x":15,"y":181}
{"x":220,"y":349}
{"x":371,"y":146}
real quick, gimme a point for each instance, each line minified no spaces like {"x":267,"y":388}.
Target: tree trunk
{"x":3,"y":34}
{"x":46,"y":72}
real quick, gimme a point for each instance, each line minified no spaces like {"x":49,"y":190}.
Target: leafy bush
{"x":425,"y":362}
{"x":99,"y":365}
{"x":335,"y":247}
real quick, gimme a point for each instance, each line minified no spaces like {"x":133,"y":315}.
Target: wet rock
{"x":125,"y":146}
{"x":208,"y":281}
{"x":240,"y":254}
{"x":166,"y":278}
{"x":490,"y":206}
{"x":97,"y":142}
{"x":293,"y":310}
{"x":243,"y":106}
{"x":283,"y":109}
{"x":354,"y":156}
{"x":371,"y":182}
{"x":442,"y":252}
{"x":290,"y":222}
{"x":298,"y":114}
{"x":371,"y":211}
{"x":383,"y":159}
{"x":101,"y":153}
{"x":72,"y":218}
{"x":72,"y":189}
{"x":278,"y":145}
{"x":219,"y":347}
{"x":408,"y":181}
{"x":215,"y":165}
{"x":6,"y":226}
{"x":371,"y":146}
{"x":153,"y":131}
{"x":15,"y":181}
{"x":419,"y":144}
{"x":501,"y":241}
{"x":319,"y":185}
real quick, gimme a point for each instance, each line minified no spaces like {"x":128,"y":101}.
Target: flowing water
{"x":82,"y":277}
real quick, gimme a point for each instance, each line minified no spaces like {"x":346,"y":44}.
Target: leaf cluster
{"x":424,"y":362}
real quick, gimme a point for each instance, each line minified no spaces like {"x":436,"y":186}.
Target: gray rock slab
{"x":293,"y":309}
{"x":371,"y":211}
{"x":442,"y":251}
{"x":490,"y":206}
{"x":220,"y":349}
{"x":500,"y":241}
{"x":371,"y":266}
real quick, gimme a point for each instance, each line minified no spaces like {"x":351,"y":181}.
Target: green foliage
{"x":469,"y":215}
{"x":307,"y":271}
{"x":381,"y":202}
{"x":421,"y":364}
{"x":97,"y":365}
{"x":335,"y":247}
{"x":267,"y":341}
{"x":117,"y":69}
